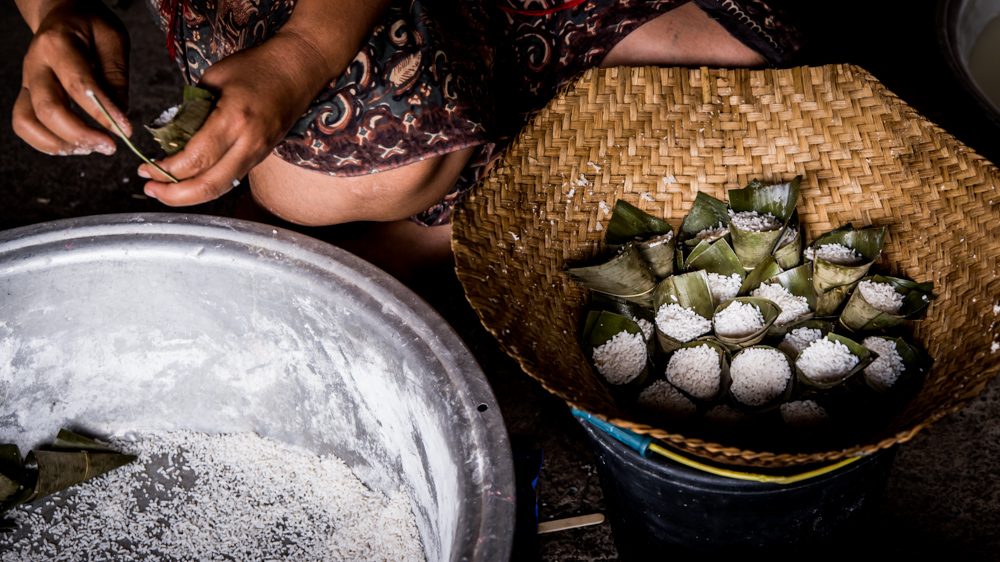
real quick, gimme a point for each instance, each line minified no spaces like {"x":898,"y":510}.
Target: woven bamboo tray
{"x":657,"y":136}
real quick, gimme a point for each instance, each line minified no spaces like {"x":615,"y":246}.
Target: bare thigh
{"x":310,"y":198}
{"x":684,"y":36}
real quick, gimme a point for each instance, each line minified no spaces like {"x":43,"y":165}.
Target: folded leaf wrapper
{"x":864,"y":355}
{"x":860,"y":315}
{"x":867,"y":242}
{"x":689,"y":290}
{"x":626,"y":275}
{"x":768,"y":310}
{"x":174,"y":135}
{"x":706,"y":213}
{"x":777,"y":200}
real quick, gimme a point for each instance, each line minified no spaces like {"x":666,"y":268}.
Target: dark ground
{"x":943,"y":497}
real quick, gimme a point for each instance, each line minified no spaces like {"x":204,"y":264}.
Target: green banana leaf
{"x":829,"y":302}
{"x":689,"y":290}
{"x":788,"y":253}
{"x":765,"y":270}
{"x":629,"y":223}
{"x":174,"y":135}
{"x":778,"y":200}
{"x":625,"y":275}
{"x":706,"y":212}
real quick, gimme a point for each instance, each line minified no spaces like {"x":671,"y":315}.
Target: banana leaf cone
{"x":824,"y":326}
{"x":867,"y":242}
{"x":798,"y":282}
{"x":13,"y":480}
{"x":602,"y":301}
{"x":777,"y":200}
{"x":174,"y":134}
{"x":690,"y":291}
{"x":708,"y":220}
{"x":602,"y":326}
{"x":724,"y":380}
{"x":828,"y":303}
{"x":653,"y":237}
{"x":786,"y":394}
{"x":765,"y":270}
{"x":860,"y":315}
{"x":768,"y":310}
{"x":788,"y":253}
{"x":626,"y":275}
{"x":865,"y":357}
{"x":916,"y":364}
{"x":718,"y":258}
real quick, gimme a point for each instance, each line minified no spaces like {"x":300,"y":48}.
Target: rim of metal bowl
{"x":494,"y":530}
{"x":947,"y":18}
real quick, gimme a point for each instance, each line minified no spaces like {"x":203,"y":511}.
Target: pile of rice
{"x":738,"y":320}
{"x":724,"y":416}
{"x":804,"y":414}
{"x":712,"y":234}
{"x":696,"y":370}
{"x":826,"y":361}
{"x":646,"y":326}
{"x":751,"y":221}
{"x":664,"y":401}
{"x":800,"y":338}
{"x":837,"y":254}
{"x":622,"y":358}
{"x":682,"y":324}
{"x":882,"y":296}
{"x":724,"y":288}
{"x":759,"y":375}
{"x":792,"y":307}
{"x":883,"y":372}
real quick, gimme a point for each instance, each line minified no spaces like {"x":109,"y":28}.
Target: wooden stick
{"x":570,"y":523}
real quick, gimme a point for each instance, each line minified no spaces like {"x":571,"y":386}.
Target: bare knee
{"x":312,"y":198}
{"x":684,"y":36}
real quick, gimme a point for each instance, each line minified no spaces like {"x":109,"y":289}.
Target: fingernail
{"x":142,"y":173}
{"x":149,"y":193}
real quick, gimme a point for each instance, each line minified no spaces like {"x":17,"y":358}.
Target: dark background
{"x":943,"y":497}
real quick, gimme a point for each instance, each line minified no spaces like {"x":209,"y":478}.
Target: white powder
{"x":738,"y":320}
{"x":804,"y":414}
{"x":664,"y":401}
{"x":792,"y":307}
{"x":724,"y":288}
{"x":837,"y":254}
{"x":167,"y":116}
{"x":826,"y":361}
{"x":886,"y":368}
{"x":800,"y":338}
{"x":882,"y":296}
{"x":622,"y":358}
{"x":713,"y":233}
{"x":682,"y":324}
{"x":750,"y":221}
{"x":695,"y":370}
{"x":759,"y":375}
{"x":193,"y":496}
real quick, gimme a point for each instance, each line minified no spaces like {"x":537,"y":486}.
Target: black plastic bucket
{"x":657,"y":506}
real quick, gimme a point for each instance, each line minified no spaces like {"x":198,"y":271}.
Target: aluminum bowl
{"x":122,"y":323}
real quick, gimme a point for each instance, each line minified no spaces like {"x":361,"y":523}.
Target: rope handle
{"x":643,"y":444}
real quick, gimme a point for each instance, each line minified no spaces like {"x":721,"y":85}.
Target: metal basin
{"x":167,"y":322}
{"x":960,"y":23}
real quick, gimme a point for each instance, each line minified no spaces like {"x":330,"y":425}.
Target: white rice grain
{"x":713,"y":233}
{"x":837,"y":254}
{"x":724,"y":288}
{"x":751,"y":221}
{"x":759,"y":375}
{"x":663,"y":401}
{"x":826,"y":361}
{"x":622,"y":358}
{"x":738,"y":320}
{"x":646,"y":326}
{"x":696,"y":370}
{"x":792,"y":307}
{"x":883,"y":372}
{"x":800,"y":338}
{"x":681,"y":324}
{"x":882,"y":296}
{"x":804,"y":414}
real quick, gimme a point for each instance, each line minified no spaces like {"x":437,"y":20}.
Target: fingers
{"x":112,"y":64}
{"x":211,"y":185}
{"x":75,"y":74}
{"x":49,"y":105}
{"x":27,"y":126}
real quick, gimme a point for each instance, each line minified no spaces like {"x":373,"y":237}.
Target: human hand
{"x":260,"y":94}
{"x":79,"y":45}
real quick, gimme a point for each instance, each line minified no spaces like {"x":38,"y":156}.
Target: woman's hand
{"x":261,"y":93}
{"x":79,"y":45}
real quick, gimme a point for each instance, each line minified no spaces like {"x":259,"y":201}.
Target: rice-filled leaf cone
{"x":866,"y":242}
{"x":806,"y":420}
{"x":604,"y":331}
{"x":914,"y":361}
{"x":828,"y":303}
{"x":788,"y":253}
{"x":661,"y":403}
{"x":764,"y":271}
{"x":653,"y":237}
{"x":676,"y":372}
{"x":717,"y":257}
{"x":738,"y":391}
{"x":69,"y":441}
{"x":12,"y":477}
{"x":689,"y":291}
{"x":863,"y":354}
{"x":799,"y":283}
{"x":778,"y":200}
{"x":58,"y":470}
{"x":768,"y":310}
{"x":620,"y":306}
{"x":708,"y":217}
{"x":861,"y":315}
{"x":792,"y":343}
{"x":173,"y":133}
{"x":626,"y":275}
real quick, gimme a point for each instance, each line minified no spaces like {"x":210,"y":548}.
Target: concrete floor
{"x":942,"y":497}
